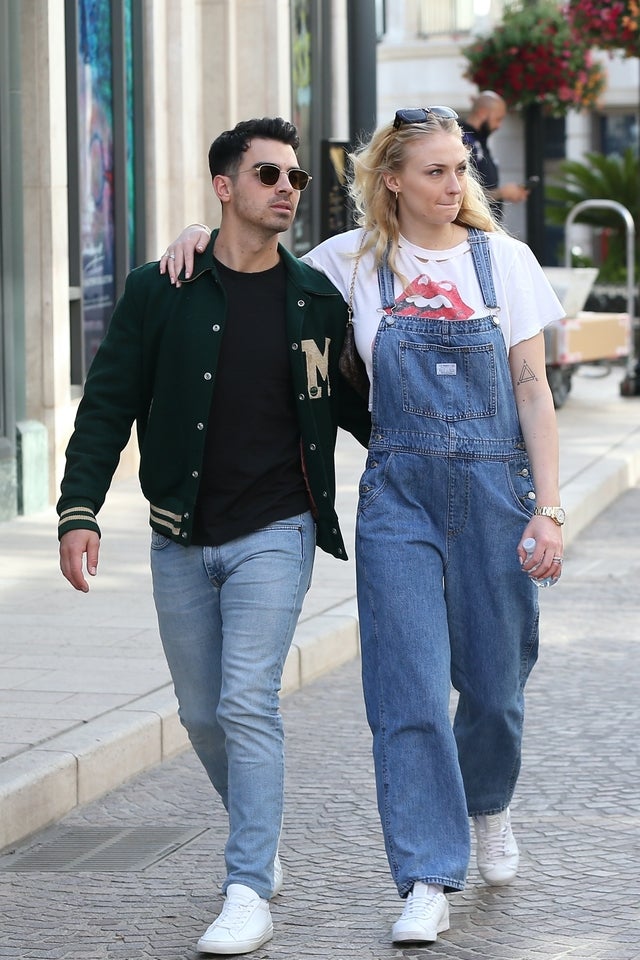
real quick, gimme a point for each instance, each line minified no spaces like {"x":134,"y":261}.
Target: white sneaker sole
{"x":414,"y":937}
{"x":278,"y":877}
{"x":499,"y":879}
{"x":423,"y":935}
{"x":227,"y":948}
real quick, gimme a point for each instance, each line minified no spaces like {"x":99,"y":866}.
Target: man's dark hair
{"x":226,"y":150}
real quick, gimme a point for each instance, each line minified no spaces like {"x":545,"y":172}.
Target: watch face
{"x":560,"y":515}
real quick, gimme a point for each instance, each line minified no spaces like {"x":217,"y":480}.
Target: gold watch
{"x":557,"y":514}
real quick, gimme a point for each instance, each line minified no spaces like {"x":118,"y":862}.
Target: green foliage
{"x":599,"y":177}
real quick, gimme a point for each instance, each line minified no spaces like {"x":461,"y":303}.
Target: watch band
{"x":556,"y":514}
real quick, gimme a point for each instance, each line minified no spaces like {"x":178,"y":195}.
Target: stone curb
{"x":43,"y":784}
{"x":593,"y":489}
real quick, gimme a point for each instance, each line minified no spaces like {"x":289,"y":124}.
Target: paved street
{"x":86,"y":700}
{"x":577,"y":817}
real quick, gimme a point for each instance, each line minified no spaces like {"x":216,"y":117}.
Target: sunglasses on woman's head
{"x":421,"y":114}
{"x":269,"y":174}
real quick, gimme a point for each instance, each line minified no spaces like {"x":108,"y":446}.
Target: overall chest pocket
{"x":448,"y":383}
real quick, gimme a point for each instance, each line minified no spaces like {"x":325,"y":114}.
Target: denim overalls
{"x":444,"y":499}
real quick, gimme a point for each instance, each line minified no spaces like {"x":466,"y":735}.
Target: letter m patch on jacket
{"x":317,"y":366}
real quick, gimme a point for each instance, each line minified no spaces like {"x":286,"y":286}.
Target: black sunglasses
{"x":269,"y":174}
{"x":420,"y":114}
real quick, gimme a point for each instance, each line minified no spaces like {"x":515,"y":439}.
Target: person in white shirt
{"x":462,"y":467}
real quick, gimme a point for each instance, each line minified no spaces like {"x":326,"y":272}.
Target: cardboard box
{"x":588,"y":336}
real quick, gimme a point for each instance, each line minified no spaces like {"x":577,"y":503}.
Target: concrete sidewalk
{"x":85,"y":694}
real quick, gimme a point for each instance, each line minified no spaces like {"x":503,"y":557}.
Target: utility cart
{"x":589,"y":336}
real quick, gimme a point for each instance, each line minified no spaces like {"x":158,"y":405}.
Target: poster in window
{"x":95,"y":92}
{"x":301,"y":54}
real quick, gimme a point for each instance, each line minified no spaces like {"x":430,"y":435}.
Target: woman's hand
{"x":179,"y":253}
{"x":548,"y":554}
{"x":539,"y":428}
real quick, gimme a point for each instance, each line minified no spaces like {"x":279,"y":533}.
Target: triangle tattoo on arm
{"x":526,"y":374}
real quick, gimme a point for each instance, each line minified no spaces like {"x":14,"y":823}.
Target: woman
{"x":462,"y":467}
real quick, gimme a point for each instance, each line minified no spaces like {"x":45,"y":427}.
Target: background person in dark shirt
{"x":487,"y":113}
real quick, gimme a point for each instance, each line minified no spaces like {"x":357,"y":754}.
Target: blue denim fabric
{"x":444,"y":498}
{"x":227,"y":617}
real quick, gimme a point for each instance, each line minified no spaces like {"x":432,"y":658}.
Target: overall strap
{"x":385,"y":282}
{"x":479,"y":246}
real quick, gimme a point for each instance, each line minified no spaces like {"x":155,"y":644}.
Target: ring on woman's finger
{"x":557,"y":559}
{"x":171,"y":256}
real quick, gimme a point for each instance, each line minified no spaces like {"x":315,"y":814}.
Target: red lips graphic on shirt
{"x":427,"y":298}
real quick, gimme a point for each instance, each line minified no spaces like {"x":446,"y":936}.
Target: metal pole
{"x":534,"y":167}
{"x":626,"y":390}
{"x":361,"y":26}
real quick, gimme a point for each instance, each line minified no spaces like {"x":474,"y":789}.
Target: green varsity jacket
{"x":156,"y":368}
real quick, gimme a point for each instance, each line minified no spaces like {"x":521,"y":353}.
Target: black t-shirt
{"x":251,"y":472}
{"x":485,"y":163}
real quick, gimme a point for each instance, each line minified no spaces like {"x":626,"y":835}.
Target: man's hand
{"x":512,"y":192}
{"x":74,"y":545}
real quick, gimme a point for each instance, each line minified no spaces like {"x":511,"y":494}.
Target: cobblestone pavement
{"x":576,"y":814}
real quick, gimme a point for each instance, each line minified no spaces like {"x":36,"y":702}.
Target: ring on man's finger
{"x":557,"y":559}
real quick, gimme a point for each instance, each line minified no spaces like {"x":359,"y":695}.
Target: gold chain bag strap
{"x":351,"y":364}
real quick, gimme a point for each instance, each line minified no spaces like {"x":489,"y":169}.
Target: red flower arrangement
{"x":612,"y":25}
{"x":535,"y":57}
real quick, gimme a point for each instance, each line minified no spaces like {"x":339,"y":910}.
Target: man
{"x":487,"y":114}
{"x":234,"y":386}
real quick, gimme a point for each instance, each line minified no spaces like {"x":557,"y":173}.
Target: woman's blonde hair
{"x":375,"y":205}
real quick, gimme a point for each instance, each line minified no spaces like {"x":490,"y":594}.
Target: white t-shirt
{"x":441,"y":284}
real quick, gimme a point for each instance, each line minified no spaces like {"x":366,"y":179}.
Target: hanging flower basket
{"x":535,"y":57}
{"x":612,"y":25}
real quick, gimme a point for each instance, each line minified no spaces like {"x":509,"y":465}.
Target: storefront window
{"x":95,"y":169}
{"x":3,"y":429}
{"x":11,"y":272}
{"x":618,"y":132}
{"x":6,"y":366}
{"x":302,"y":93}
{"x":3,"y":359}
{"x":103,"y":158}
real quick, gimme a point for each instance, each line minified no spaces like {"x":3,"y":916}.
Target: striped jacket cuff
{"x":77,"y":518}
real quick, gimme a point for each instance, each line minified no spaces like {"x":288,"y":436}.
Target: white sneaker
{"x":244,"y":924}
{"x":496,"y":848}
{"x":278,"y":877}
{"x":425,"y":915}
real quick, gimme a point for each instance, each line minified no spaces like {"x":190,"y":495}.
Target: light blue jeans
{"x":227,"y":616}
